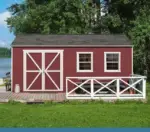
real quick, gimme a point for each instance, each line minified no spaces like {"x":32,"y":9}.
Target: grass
{"x":2,"y":85}
{"x":76,"y":114}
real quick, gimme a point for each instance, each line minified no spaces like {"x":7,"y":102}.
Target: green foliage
{"x":5,"y":52}
{"x":86,"y":102}
{"x":80,"y":115}
{"x":140,"y":35}
{"x":50,"y":17}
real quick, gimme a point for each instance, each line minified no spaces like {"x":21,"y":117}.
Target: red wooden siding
{"x":69,"y":66}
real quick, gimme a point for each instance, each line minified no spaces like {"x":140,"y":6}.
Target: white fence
{"x":133,"y":87}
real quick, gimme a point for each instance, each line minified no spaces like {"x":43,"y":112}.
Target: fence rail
{"x":131,"y":87}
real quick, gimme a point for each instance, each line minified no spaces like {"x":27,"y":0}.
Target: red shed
{"x":45,"y":63}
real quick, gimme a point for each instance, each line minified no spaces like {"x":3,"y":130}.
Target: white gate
{"x":37,"y":70}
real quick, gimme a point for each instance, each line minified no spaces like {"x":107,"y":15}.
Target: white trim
{"x":67,"y":87}
{"x":105,"y":61}
{"x":103,"y":77}
{"x":144,"y":88}
{"x":53,"y":70}
{"x":77,"y":61}
{"x":132,"y":61}
{"x":92,"y":88}
{"x":61,"y":69}
{"x":45,"y":51}
{"x":106,"y":96}
{"x":32,"y":70}
{"x":118,"y":87}
{"x":103,"y":98}
{"x":12,"y":70}
{"x":45,"y":90}
{"x":24,"y":70}
{"x":43,"y":70}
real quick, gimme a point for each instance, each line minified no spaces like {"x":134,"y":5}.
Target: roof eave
{"x":72,"y":46}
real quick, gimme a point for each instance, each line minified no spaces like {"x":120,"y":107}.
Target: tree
{"x":51,"y":17}
{"x":119,"y":15}
{"x":140,"y":35}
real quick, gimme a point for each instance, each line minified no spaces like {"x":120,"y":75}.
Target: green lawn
{"x":2,"y":85}
{"x":76,"y":114}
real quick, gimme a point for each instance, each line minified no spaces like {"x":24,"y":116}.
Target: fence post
{"x":118,"y":88}
{"x":144,"y":88}
{"x":66,"y":87}
{"x":92,"y":88}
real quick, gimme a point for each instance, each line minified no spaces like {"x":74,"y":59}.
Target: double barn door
{"x":43,"y":70}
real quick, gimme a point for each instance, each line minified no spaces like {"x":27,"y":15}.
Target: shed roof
{"x":71,"y":40}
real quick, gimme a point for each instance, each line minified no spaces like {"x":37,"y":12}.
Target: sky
{"x":6,"y":37}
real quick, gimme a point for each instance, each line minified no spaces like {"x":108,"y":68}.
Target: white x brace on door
{"x":42,"y":70}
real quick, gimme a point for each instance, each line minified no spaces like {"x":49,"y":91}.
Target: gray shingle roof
{"x":71,"y":40}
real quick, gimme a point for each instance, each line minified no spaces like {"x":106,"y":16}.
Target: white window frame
{"x":105,"y":62}
{"x":77,"y":62}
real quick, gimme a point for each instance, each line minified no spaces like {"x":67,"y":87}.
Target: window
{"x":84,"y":62}
{"x":112,"y":61}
